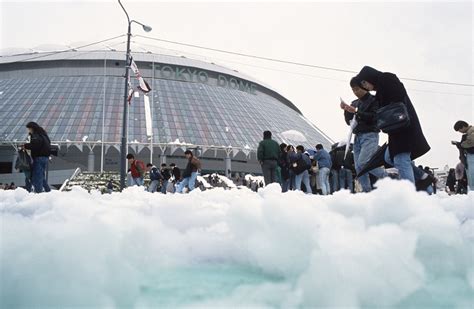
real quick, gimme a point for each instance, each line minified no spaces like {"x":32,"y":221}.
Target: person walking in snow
{"x":190,"y":173}
{"x":404,"y":143}
{"x":137,"y":170}
{"x":155,"y":177}
{"x":366,"y":141}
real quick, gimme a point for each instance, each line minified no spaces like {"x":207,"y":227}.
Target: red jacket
{"x":138,"y":169}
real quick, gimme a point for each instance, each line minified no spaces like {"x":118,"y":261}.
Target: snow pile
{"x":393,"y":247}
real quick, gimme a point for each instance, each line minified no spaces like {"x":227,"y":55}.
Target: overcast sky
{"x":425,"y":40}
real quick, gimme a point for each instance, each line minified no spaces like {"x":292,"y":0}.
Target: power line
{"x":294,"y":62}
{"x":180,"y":52}
{"x":67,"y":50}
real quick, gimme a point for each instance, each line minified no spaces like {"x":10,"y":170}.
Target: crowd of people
{"x":353,"y":166}
{"x":166,"y":179}
{"x":389,"y":111}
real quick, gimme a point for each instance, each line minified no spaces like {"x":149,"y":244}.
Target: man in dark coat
{"x":408,"y":143}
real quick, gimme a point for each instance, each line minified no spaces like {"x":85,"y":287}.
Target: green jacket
{"x":268,"y":149}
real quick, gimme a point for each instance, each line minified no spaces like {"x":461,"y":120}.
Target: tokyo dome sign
{"x":195,"y":75}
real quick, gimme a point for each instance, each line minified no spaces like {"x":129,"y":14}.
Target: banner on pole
{"x":149,"y":129}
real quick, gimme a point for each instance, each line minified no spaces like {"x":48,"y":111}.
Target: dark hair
{"x":172,"y":165}
{"x":163,"y":164}
{"x":149,"y":164}
{"x":460,"y":124}
{"x":289,"y":147}
{"x":130,"y":156}
{"x":267,"y":134}
{"x":356,"y":82}
{"x":282,"y":146}
{"x":188,"y":152}
{"x":319,"y":146}
{"x":36,"y":128}
{"x":300,"y":148}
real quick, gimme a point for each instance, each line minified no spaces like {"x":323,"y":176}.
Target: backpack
{"x":303,"y":164}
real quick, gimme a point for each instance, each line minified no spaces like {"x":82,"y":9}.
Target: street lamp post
{"x":124,"y":148}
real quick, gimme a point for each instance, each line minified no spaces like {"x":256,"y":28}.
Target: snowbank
{"x":393,"y":247}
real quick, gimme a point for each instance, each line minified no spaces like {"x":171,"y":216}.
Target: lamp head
{"x":146,"y":28}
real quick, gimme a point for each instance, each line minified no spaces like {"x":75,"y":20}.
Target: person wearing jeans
{"x":365,"y":145}
{"x":466,"y":147}
{"x":190,"y":173}
{"x":40,"y":150}
{"x":366,"y":140}
{"x":187,"y":182}
{"x":406,"y":142}
{"x":324,"y":162}
{"x":406,"y":169}
{"x":301,"y":164}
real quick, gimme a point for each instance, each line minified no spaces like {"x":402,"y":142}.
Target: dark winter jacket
{"x":176,"y":173}
{"x":390,"y":90}
{"x":165,"y":173}
{"x":193,"y":166}
{"x":300,"y":162}
{"x":39,"y":145}
{"x":268,"y":149}
{"x":366,"y":114}
{"x":284,"y":164}
{"x":155,"y":174}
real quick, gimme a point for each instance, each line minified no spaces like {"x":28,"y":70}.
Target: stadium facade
{"x":78,"y":98}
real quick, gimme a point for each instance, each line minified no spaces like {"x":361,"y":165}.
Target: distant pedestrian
{"x":268,"y":153}
{"x":301,"y":164}
{"x":461,"y":178}
{"x":283,"y":163}
{"x":155,"y":177}
{"x":324,"y":163}
{"x":451,"y":181}
{"x":166,"y":173}
{"x":467,"y":146}
{"x":110,"y":186}
{"x":137,"y":170}
{"x":40,"y":147}
{"x":190,"y":173}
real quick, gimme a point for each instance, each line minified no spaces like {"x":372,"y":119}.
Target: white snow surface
{"x":393,"y":247}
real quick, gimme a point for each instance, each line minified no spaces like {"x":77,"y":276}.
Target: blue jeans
{"x":345,"y":179}
{"x":153,"y":185}
{"x":324,"y":180}
{"x":406,"y":169}
{"x":38,"y":173}
{"x":470,"y":171}
{"x":28,"y":184}
{"x":188,"y":181}
{"x":137,"y":181}
{"x":365,"y":145}
{"x":303,"y":177}
{"x":164,"y":185}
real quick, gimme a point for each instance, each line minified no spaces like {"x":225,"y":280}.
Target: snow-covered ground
{"x":393,"y":247}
